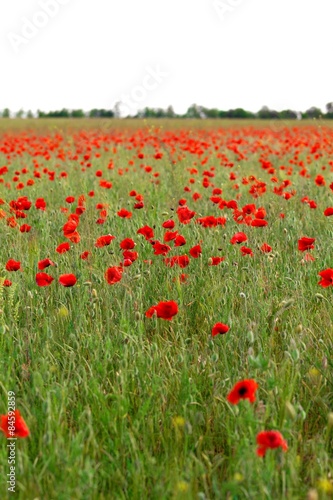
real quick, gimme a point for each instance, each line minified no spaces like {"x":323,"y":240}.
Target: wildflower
{"x":219,"y":328}
{"x":270,"y":439}
{"x":246,"y":389}
{"x":16,"y":421}
{"x":164,"y":310}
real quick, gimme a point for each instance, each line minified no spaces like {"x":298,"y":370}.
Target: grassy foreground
{"x":120,"y":405}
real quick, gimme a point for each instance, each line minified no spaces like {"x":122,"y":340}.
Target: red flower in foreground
{"x":238,"y":238}
{"x":13,"y":425}
{"x":147,"y":232}
{"x":246,"y":251}
{"x":25,"y":228}
{"x":246,"y":389}
{"x":13,"y":265}
{"x":270,"y":439}
{"x":67,"y":280}
{"x":327,"y":278}
{"x":42,"y":264}
{"x":7,"y":283}
{"x":113,"y":275}
{"x":164,"y":310}
{"x":259,"y":223}
{"x":104,"y":241}
{"x":195,"y":251}
{"x":63,"y":247}
{"x":265,"y":248}
{"x":40,"y":204}
{"x":328,"y":212}
{"x":306,"y":243}
{"x":215,"y":261}
{"x":219,"y":328}
{"x":127,"y":244}
{"x":125,"y":214}
{"x":43,"y":279}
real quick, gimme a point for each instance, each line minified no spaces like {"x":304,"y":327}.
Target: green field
{"x":124,"y":406}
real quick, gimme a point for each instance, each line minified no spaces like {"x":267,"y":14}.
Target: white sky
{"x":247,"y":53}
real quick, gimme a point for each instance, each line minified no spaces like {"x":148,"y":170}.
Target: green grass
{"x":121,"y":406}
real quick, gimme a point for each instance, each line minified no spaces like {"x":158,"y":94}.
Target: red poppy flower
{"x":43,"y":279}
{"x":13,"y":265}
{"x":168,"y":224}
{"x":42,"y":264}
{"x":160,"y":248}
{"x":306,"y":243}
{"x":246,"y":389}
{"x":147,"y":232}
{"x":40,"y":204}
{"x":7,"y":283}
{"x":238,"y":238}
{"x":195,"y":251}
{"x":13,"y":425}
{"x":127,"y":244}
{"x":179,"y":241}
{"x":259,"y":223}
{"x":328,"y":211}
{"x":246,"y":251}
{"x":63,"y":247}
{"x":215,"y":261}
{"x":170,"y":235}
{"x":270,"y":440}
{"x":185,"y":215}
{"x":67,"y":280}
{"x":113,"y":275}
{"x":125,"y":214}
{"x":265,"y":248}
{"x":327,"y":278}
{"x":70,"y":199}
{"x":128,"y":255}
{"x":219,"y":328}
{"x":25,"y":228}
{"x":104,"y":241}
{"x":164,"y":310}
{"x":85,"y":255}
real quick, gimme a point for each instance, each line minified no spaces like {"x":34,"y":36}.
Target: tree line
{"x":194,"y":111}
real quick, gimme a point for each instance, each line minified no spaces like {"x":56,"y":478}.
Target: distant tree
{"x":288,"y":114}
{"x":211,"y":113}
{"x":313,"y":112}
{"x":30,"y":114}
{"x":170,"y":112}
{"x":195,"y":111}
{"x":6,"y":113}
{"x":19,"y":114}
{"x":77,"y":113}
{"x":266,"y":114}
{"x":239,"y":113}
{"x":101,"y":113}
{"x":329,"y":109}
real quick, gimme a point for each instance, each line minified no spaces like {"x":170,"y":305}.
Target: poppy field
{"x":166,"y":317}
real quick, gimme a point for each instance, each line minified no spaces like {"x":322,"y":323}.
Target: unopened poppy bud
{"x":330,"y":420}
{"x":299,"y":328}
{"x":165,"y":214}
{"x":94,"y":292}
{"x":285,"y":230}
{"x":137,"y":316}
